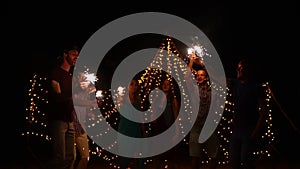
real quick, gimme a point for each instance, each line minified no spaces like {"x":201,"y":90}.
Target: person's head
{"x":201,"y":76}
{"x":245,"y":70}
{"x":133,"y":86}
{"x":166,"y":85}
{"x":70,"y":55}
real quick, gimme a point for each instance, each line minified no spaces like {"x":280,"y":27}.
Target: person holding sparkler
{"x":83,"y":106}
{"x":211,"y":146}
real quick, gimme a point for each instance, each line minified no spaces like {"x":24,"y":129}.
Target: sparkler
{"x":99,"y":94}
{"x":198,"y":49}
{"x":90,"y":77}
{"x":121,"y":90}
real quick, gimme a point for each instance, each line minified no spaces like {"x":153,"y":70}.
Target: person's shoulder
{"x":54,"y":71}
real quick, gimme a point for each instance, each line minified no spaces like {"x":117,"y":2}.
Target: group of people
{"x":248,"y":117}
{"x":68,"y":111}
{"x":138,"y":130}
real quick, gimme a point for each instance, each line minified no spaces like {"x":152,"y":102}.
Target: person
{"x":196,"y":149}
{"x":167,"y":118}
{"x":61,"y":110}
{"x":83,"y":103}
{"x":128,"y":127}
{"x":248,"y":115}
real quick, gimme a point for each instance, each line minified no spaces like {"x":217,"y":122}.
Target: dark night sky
{"x":35,"y":33}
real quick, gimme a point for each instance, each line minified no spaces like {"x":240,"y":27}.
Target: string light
{"x":36,"y":117}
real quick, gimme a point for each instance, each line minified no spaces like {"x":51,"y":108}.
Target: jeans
{"x":82,"y":143}
{"x":63,"y":140}
{"x":241,"y":149}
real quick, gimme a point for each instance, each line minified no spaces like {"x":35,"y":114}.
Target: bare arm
{"x":56,"y":87}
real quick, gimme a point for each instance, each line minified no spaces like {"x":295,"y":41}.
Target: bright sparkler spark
{"x":199,"y":49}
{"x":190,"y":51}
{"x":121,"y":90}
{"x":90,"y":77}
{"x":99,"y":94}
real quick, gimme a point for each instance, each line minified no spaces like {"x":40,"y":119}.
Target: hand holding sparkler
{"x":194,"y":58}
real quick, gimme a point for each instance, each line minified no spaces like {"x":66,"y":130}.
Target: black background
{"x":34,"y":33}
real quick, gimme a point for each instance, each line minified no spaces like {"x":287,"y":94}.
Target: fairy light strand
{"x":37,"y":99}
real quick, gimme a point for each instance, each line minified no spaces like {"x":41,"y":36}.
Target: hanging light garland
{"x":36,"y":117}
